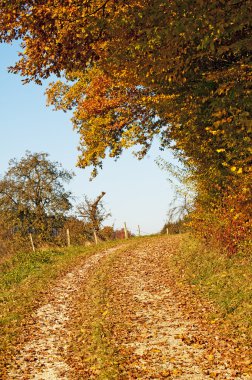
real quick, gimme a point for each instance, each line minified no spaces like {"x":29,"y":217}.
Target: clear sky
{"x":137,"y":192}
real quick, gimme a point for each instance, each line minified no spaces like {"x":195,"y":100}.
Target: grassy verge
{"x":25,"y":280}
{"x":225,"y":281}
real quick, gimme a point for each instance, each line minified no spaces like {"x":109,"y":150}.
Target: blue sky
{"x":137,"y":192}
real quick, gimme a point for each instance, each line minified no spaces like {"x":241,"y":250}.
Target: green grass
{"x":25,"y":279}
{"x":226,"y":281}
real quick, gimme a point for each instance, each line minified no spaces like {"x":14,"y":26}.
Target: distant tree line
{"x":33,"y":200}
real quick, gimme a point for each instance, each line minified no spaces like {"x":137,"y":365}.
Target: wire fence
{"x":70,"y":235}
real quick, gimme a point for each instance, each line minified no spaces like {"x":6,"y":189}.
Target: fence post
{"x":68,"y":237}
{"x":125,"y":231}
{"x":167,"y":231}
{"x":95,"y":237}
{"x":31,"y":240}
{"x":139,"y":232}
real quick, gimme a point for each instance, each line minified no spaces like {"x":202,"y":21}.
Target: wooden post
{"x":68,"y":237}
{"x":125,"y":231}
{"x":31,"y":240}
{"x":139,"y":232}
{"x":95,"y":237}
{"x":167,"y":231}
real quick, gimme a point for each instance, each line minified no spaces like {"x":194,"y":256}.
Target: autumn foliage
{"x":132,"y":70}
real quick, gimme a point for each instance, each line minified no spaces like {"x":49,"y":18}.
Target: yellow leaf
{"x":176,"y":372}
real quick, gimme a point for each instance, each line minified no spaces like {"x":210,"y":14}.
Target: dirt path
{"x":42,"y":357}
{"x":150,"y":331}
{"x":158,"y":339}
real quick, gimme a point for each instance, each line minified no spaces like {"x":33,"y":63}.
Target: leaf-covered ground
{"x":125,"y":315}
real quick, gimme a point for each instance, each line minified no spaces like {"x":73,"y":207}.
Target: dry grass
{"x":225,"y":281}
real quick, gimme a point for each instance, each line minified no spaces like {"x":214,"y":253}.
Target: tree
{"x":93,"y":212}
{"x":132,"y":70}
{"x":32,"y":194}
{"x":185,"y":63}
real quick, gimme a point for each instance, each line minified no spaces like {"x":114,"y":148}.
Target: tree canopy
{"x":129,"y":63}
{"x":136,"y":69}
{"x":132,"y":70}
{"x":32,"y":194}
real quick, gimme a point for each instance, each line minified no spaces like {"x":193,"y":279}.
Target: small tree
{"x":182,"y":204}
{"x":32,"y":194}
{"x":93,"y":213}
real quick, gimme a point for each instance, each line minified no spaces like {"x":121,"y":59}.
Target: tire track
{"x":42,"y":357}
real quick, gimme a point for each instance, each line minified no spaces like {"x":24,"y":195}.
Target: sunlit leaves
{"x":135,"y":69}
